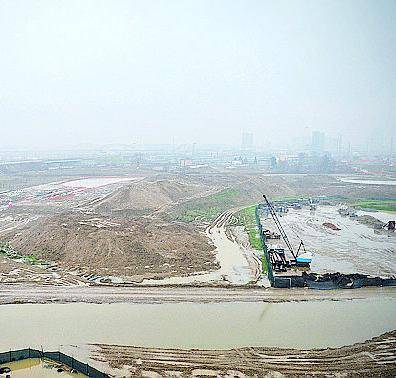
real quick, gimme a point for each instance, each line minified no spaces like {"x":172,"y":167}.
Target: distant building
{"x":274,"y":162}
{"x":185,"y":163}
{"x":318,"y":141}
{"x":339,"y":145}
{"x":247,"y":141}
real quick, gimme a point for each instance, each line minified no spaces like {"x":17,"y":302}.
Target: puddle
{"x":34,"y":367}
{"x":233,"y":260}
{"x":318,"y":324}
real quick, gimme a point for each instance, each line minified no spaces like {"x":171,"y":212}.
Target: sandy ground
{"x":61,"y":224}
{"x":238,"y":265}
{"x":25,"y":293}
{"x":12,"y":271}
{"x":376,"y":357}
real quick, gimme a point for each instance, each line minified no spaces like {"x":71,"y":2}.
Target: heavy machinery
{"x":277,"y":255}
{"x":391,"y":225}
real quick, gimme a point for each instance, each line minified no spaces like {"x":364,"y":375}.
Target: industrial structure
{"x":277,"y":255}
{"x":294,"y":271}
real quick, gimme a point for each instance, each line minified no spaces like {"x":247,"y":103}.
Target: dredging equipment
{"x":276,"y":255}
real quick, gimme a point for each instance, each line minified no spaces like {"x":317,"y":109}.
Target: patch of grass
{"x":191,"y":214}
{"x":247,"y":217}
{"x":207,"y":208}
{"x":224,"y":195}
{"x":7,"y":250}
{"x":31,"y":259}
{"x":384,"y":205}
{"x":264,"y":264}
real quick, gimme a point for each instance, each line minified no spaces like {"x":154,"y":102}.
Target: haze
{"x":100,"y":72}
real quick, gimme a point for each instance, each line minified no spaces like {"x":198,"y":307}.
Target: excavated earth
{"x":126,"y":248}
{"x":373,"y":358}
{"x":137,"y":231}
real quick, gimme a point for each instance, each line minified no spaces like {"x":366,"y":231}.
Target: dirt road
{"x":107,"y":294}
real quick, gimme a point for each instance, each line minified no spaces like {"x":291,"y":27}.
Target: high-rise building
{"x":247,"y":141}
{"x":318,"y":141}
{"x":339,"y":145}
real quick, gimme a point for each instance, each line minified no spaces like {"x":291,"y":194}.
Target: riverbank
{"x":20,"y":294}
{"x":375,"y":357}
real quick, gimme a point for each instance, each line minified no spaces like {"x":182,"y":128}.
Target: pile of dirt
{"x":145,"y":196}
{"x":370,"y":221}
{"x":134,"y":249}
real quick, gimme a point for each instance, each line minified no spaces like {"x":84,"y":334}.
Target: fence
{"x":23,"y":354}
{"x":332,"y":281}
{"x":265,"y":250}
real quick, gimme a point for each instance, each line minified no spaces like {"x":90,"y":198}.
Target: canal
{"x":313,"y":324}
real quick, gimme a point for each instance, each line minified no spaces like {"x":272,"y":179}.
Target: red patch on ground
{"x":331,"y":226}
{"x":61,"y":198}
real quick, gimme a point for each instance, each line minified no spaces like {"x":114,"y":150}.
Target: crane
{"x":303,"y":260}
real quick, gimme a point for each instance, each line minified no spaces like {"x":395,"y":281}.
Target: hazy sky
{"x":199,"y":71}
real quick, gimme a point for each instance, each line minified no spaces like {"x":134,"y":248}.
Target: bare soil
{"x":35,"y":293}
{"x":134,"y":230}
{"x":149,"y":195}
{"x":121,"y":247}
{"x":373,"y":358}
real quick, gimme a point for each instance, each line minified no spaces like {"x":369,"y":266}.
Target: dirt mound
{"x":370,"y":221}
{"x":146,"y":196}
{"x":95,"y":244}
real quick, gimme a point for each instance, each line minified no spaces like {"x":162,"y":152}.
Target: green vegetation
{"x":224,"y":195}
{"x":207,"y":208}
{"x":31,"y":259}
{"x":247,"y":218}
{"x":384,"y":205}
{"x":203,"y":213}
{"x":264,"y":264}
{"x":8,"y":251}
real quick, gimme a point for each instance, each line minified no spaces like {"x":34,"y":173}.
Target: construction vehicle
{"x":270,"y":234}
{"x":278,"y":255}
{"x":312,"y":206}
{"x":390,"y":226}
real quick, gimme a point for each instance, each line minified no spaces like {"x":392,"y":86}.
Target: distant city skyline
{"x":201,"y":72}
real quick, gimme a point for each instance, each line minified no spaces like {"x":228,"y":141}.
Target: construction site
{"x":197,"y":189}
{"x":349,"y":259}
{"x":161,"y":249}
{"x":191,"y":229}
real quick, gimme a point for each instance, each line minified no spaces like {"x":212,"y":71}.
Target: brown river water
{"x":314,"y":324}
{"x":34,"y":367}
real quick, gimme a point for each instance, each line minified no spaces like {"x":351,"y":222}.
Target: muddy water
{"x":233,"y":260}
{"x":34,"y":367}
{"x":190,"y":325}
